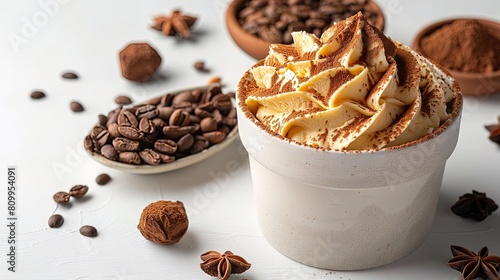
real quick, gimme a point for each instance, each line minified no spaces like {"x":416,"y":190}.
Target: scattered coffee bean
{"x":88,"y":231}
{"x":123,"y":100}
{"x":78,"y":191}
{"x":200,"y":66}
{"x":102,"y":179}
{"x":61,"y":197}
{"x":274,"y":21}
{"x":76,"y":106}
{"x":56,"y":221}
{"x":165,"y":128}
{"x":37,"y":94}
{"x":69,"y":75}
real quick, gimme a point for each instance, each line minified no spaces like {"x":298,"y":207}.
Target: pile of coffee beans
{"x":275,"y":20}
{"x":165,"y":128}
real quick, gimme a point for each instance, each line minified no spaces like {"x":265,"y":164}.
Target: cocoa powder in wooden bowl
{"x":255,"y":24}
{"x":468,"y":48}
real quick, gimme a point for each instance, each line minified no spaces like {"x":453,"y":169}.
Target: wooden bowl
{"x":472,"y":84}
{"x":259,"y":48}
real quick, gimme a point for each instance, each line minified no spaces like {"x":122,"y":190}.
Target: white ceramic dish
{"x":166,"y":167}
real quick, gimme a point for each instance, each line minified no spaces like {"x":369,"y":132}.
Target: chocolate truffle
{"x":139,"y":62}
{"x":164,"y":222}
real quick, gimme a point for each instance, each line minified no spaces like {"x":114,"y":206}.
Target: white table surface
{"x":43,"y":139}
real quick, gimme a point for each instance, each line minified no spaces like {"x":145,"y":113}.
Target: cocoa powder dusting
{"x":464,"y":45}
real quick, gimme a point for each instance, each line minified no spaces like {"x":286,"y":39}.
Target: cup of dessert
{"x":347,"y":145}
{"x":254,"y":25}
{"x":469,"y":48}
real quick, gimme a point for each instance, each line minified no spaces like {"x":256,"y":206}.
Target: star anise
{"x":494,"y":130}
{"x":222,"y":265}
{"x":473,"y":266}
{"x":474,"y":205}
{"x":177,"y":23}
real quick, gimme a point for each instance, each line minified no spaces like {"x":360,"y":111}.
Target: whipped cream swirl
{"x":351,"y":89}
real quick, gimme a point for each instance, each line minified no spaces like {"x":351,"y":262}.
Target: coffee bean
{"x":222,"y":103}
{"x":147,"y":126}
{"x":78,"y":191}
{"x":316,"y":23}
{"x":202,"y":113}
{"x":61,"y":197}
{"x":257,"y":3}
{"x":197,"y":147}
{"x":159,"y":123}
{"x":214,"y":137}
{"x":166,"y":146}
{"x":166,"y":158}
{"x":56,"y":221}
{"x":69,"y":75}
{"x":129,"y":157}
{"x":230,"y":122}
{"x":166,"y":100}
{"x":185,"y":143}
{"x":208,"y":124}
{"x":123,"y":100}
{"x":179,"y":118}
{"x":109,"y":152}
{"x":131,"y":132}
{"x":88,"y":144}
{"x":281,"y":25}
{"x":165,"y":112}
{"x":204,"y":142}
{"x":122,"y":144}
{"x":173,"y":132}
{"x":88,"y":231}
{"x":200,"y":66}
{"x":37,"y":94}
{"x":100,"y":135}
{"x":102,"y":120}
{"x":216,"y":114}
{"x":76,"y":106}
{"x":113,"y":116}
{"x":102,"y":179}
{"x":127,"y":118}
{"x":147,"y":111}
{"x":224,"y":129}
{"x":150,"y":157}
{"x":113,"y":130}
{"x":182,"y":97}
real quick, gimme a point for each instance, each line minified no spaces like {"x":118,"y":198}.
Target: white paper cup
{"x":346,"y":210}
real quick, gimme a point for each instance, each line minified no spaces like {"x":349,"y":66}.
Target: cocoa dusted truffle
{"x":164,"y":222}
{"x":139,"y":62}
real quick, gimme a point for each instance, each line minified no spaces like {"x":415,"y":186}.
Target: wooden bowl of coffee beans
{"x":255,"y":24}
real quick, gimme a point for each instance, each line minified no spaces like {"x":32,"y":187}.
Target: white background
{"x":43,"y":139}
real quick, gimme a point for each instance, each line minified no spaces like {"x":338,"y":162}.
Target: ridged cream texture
{"x":351,"y":89}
